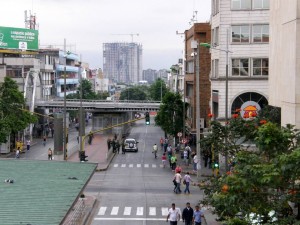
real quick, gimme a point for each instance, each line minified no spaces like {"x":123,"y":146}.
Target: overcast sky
{"x":87,"y":24}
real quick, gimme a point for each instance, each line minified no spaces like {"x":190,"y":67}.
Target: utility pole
{"x":65,"y":105}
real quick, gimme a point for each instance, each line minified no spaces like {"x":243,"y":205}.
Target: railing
{"x":107,"y":101}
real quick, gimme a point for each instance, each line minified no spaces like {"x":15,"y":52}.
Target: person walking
{"x":18,"y":153}
{"x":187,"y":214}
{"x":155,"y":150}
{"x":187,"y":180}
{"x":161,"y":141}
{"x":173,"y":162}
{"x":90,"y":138}
{"x":123,"y":147}
{"x":28,"y":144}
{"x":198,"y":214}
{"x":195,"y":162}
{"x":49,"y":154}
{"x":173,"y":215}
{"x":44,"y":140}
{"x":164,"y":159}
{"x":118,"y":146}
{"x":178,"y":178}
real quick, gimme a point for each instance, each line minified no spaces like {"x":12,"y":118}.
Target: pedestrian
{"x":118,"y":146}
{"x":178,"y":179}
{"x":173,"y":162}
{"x":78,"y":139}
{"x":173,"y":215}
{"x":28,"y":144}
{"x":205,"y":158}
{"x":164,"y":159}
{"x":195,"y":162}
{"x":186,"y":181}
{"x":123,"y":147}
{"x":108,"y":143}
{"x":169,"y":149}
{"x":185,"y":157}
{"x":178,"y":169}
{"x":113,"y":144}
{"x":52,"y":132}
{"x":90,"y":137}
{"x":165,"y":146}
{"x":18,"y":153}
{"x":187,"y":214}
{"x":197,"y":215}
{"x":44,"y":140}
{"x":154,"y":150}
{"x":49,"y":154}
{"x":161,"y":141}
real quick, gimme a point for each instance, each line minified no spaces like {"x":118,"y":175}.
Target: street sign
{"x":179,"y":134}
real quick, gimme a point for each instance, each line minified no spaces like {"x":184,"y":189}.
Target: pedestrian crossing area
{"x":133,"y":211}
{"x":138,"y":165}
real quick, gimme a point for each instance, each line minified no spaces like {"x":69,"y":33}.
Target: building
{"x":199,"y":32}
{"x":149,"y":75}
{"x":122,"y":62}
{"x":243,"y":27}
{"x":284,"y":81}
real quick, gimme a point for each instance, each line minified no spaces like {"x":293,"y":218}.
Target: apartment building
{"x":122,"y":62}
{"x":240,"y":32}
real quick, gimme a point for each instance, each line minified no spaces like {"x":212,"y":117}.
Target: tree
{"x":261,"y":181}
{"x":134,"y":93}
{"x":158,"y":89}
{"x":170,"y":114}
{"x":12,"y":117}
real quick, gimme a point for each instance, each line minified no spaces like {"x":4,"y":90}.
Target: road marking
{"x":146,"y":165}
{"x":161,"y":166}
{"x":138,"y":165}
{"x":164,"y":211}
{"x":139,"y":211}
{"x":116,"y":165}
{"x":152,"y":211}
{"x":131,"y":165}
{"x":114,"y":211}
{"x":127,"y":211}
{"x":132,"y":219}
{"x":102,"y":211}
{"x":153,"y":165}
{"x":123,"y":165}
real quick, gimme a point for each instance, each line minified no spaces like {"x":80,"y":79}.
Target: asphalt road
{"x":136,"y":190}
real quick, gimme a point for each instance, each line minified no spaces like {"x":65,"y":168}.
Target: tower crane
{"x":128,"y":34}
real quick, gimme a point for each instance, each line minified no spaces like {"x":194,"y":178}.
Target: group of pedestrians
{"x":189,"y":215}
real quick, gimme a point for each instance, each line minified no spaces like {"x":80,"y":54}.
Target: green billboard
{"x":18,"y":38}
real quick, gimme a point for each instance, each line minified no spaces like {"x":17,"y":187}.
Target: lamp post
{"x":81,"y":120}
{"x":65,"y":106}
{"x":226,"y":90}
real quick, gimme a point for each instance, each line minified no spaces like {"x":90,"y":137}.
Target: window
{"x":240,"y":33}
{"x":260,"y":33}
{"x":215,"y":7}
{"x":261,"y":4}
{"x":215,"y":68}
{"x":215,"y":37}
{"x":240,"y":4}
{"x":190,"y":67}
{"x":240,"y":67}
{"x":261,"y":67}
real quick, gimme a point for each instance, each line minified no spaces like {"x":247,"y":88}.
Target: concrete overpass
{"x":101,"y":105}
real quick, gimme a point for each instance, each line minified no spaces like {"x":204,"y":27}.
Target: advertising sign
{"x":18,"y":38}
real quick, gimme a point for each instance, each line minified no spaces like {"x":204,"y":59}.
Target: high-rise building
{"x":122,"y":62}
{"x":149,"y":75}
{"x":240,"y":31}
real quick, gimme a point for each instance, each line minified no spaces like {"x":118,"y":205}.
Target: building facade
{"x":122,"y":62}
{"x":240,"y":32}
{"x":199,"y":32}
{"x":285,"y":60}
{"x":149,"y":75}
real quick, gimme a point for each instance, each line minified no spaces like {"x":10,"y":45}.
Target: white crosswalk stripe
{"x":127,"y":211}
{"x":116,"y":165}
{"x":153,"y":165}
{"x":130,"y":165}
{"x":138,"y":165}
{"x":152,"y":211}
{"x":114,"y":211}
{"x":102,"y":211}
{"x":164,"y":211}
{"x":140,"y":211}
{"x":123,"y":165}
{"x":146,"y":165}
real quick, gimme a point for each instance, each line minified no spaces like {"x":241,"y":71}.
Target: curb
{"x":108,"y":163}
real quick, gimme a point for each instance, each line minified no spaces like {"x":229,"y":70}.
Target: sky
{"x":87,"y":24}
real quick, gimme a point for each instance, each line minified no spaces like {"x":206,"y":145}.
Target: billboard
{"x":18,"y":38}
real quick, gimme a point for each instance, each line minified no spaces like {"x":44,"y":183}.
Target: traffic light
{"x":216,"y":165}
{"x":147,"y":118}
{"x":82,"y":156}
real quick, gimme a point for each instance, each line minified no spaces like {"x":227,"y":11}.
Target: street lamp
{"x":226,"y":89}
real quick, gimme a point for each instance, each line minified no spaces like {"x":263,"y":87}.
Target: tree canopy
{"x":134,"y":93}
{"x":158,"y":90}
{"x":12,"y":117}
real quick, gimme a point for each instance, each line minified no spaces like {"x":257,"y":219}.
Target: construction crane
{"x":128,"y":34}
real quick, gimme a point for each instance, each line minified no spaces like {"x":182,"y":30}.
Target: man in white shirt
{"x":173,"y":215}
{"x":155,"y":150}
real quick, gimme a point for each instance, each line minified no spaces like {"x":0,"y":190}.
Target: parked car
{"x":131,"y":145}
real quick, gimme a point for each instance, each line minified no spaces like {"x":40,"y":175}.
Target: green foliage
{"x":158,"y":89}
{"x":12,"y":117}
{"x":170,"y":114}
{"x":134,"y":93}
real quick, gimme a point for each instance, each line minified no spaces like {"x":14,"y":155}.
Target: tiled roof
{"x":42,"y":192}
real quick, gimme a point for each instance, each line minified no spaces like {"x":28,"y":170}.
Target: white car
{"x":131,"y":145}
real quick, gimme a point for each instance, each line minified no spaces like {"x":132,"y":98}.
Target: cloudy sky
{"x":87,"y":24}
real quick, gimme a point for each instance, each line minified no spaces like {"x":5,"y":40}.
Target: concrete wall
{"x":285,"y":59}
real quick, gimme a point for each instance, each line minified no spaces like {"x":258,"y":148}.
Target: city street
{"x":136,"y":189}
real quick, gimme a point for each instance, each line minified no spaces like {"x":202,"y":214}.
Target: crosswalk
{"x":133,"y":211}
{"x":138,"y":165}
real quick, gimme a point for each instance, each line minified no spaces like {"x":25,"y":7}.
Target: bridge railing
{"x":106,"y":101}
